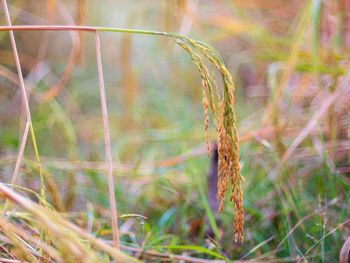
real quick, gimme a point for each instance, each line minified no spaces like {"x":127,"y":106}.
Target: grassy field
{"x":165,"y":69}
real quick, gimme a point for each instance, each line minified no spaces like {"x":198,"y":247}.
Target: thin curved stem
{"x":83,"y":28}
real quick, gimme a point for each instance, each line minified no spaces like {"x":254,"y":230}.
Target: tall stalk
{"x":221,"y":105}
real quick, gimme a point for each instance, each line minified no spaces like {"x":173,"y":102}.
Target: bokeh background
{"x":289,"y":61}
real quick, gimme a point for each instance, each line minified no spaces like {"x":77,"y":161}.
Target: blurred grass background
{"x":289,"y":60}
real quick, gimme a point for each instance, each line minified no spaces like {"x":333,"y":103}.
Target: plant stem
{"x":84,"y":28}
{"x":27,"y":109}
{"x":107,"y":138}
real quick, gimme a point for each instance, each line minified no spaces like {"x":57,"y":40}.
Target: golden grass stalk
{"x":26,"y":242}
{"x":221,"y":105}
{"x":222,"y":108}
{"x":68,"y":240}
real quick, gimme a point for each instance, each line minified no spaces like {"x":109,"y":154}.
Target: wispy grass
{"x":29,"y":125}
{"x":290,"y":65}
{"x":222,"y":109}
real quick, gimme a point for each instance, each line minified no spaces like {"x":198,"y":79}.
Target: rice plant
{"x":103,"y":154}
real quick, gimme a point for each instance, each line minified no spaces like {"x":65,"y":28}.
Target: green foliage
{"x":286,"y":64}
